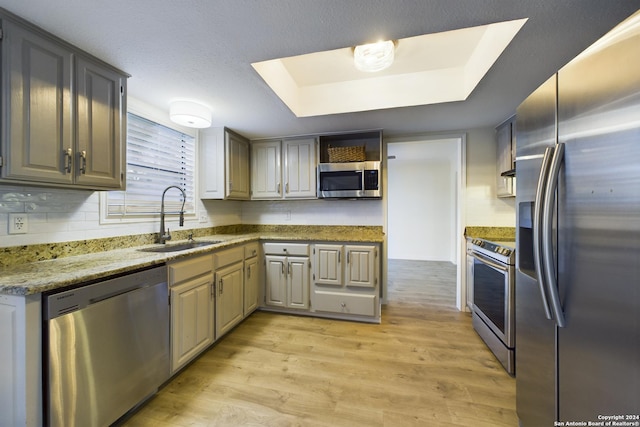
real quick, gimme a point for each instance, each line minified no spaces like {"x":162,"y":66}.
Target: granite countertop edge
{"x":42,"y":276}
{"x":491,"y":233}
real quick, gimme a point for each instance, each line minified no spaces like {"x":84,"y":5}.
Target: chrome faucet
{"x":162,"y":236}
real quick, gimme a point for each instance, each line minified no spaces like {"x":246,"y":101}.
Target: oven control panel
{"x":504,"y":249}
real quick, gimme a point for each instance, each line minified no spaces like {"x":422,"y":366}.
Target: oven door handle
{"x":489,"y":261}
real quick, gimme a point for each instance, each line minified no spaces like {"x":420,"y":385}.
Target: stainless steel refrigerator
{"x":578,"y":238}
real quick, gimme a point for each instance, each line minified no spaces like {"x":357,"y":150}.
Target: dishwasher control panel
{"x":61,"y":303}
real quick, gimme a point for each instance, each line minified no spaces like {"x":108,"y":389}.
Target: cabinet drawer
{"x":338,"y":302}
{"x":251,"y":250}
{"x":188,"y":269}
{"x":228,"y":256}
{"x":300,"y":249}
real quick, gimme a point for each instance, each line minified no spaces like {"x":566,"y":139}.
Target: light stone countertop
{"x":37,"y":277}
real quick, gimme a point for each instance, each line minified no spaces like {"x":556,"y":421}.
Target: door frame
{"x":461,"y":178}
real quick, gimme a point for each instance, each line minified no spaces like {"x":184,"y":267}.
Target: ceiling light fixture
{"x":374,"y":57}
{"x":191,"y":114}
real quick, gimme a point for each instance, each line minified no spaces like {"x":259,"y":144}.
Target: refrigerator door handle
{"x":537,"y":229}
{"x":547,"y":234}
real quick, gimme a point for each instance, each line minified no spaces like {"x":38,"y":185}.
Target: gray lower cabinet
{"x":229,"y":267}
{"x":469,"y":280}
{"x":64,"y":113}
{"x":251,"y":278}
{"x":287,"y":275}
{"x":346,"y":280}
{"x":209,"y":295}
{"x":21,"y":356}
{"x":191,"y":292}
{"x":334,"y":280}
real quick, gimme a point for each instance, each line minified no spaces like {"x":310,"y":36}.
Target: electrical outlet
{"x":18,"y":223}
{"x":204,"y":218}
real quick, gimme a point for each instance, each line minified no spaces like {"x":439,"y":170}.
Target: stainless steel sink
{"x":180,"y":246}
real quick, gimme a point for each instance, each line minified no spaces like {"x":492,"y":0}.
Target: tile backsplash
{"x":61,"y":215}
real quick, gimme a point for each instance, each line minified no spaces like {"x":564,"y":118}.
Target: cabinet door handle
{"x":286,"y":188}
{"x":249,"y":272}
{"x":213,"y":290}
{"x":278,"y":189}
{"x":339,"y":257}
{"x":282,"y":264}
{"x":83,"y":162}
{"x":221,"y":287}
{"x":348,"y":256}
{"x":289,"y":268}
{"x":68,"y":159}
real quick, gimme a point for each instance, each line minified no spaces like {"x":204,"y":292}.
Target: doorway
{"x":424,"y":200}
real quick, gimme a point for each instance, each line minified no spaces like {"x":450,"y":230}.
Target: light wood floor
{"x":423,"y":366}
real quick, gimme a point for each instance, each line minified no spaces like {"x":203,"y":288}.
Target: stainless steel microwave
{"x":352,"y":180}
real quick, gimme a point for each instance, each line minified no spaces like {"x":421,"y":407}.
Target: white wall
{"x":422,"y":192}
{"x":483,"y":207}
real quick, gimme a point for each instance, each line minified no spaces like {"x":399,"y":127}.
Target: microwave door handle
{"x":547,"y":234}
{"x":537,"y":229}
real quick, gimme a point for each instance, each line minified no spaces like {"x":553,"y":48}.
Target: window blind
{"x":157,"y":157}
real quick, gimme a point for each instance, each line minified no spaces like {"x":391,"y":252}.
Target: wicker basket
{"x":346,"y":154}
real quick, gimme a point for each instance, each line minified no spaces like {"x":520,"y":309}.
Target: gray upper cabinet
{"x":299,"y":168}
{"x":283,"y":169}
{"x":63,"y":113}
{"x":266,"y":170}
{"x":100,"y":121}
{"x":238,"y":167}
{"x":37,"y":119}
{"x":505,"y":135}
{"x":224,"y":165}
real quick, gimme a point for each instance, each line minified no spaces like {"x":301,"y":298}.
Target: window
{"x":157,"y":157}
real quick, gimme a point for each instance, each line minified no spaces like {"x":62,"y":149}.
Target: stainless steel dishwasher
{"x":106,"y":347}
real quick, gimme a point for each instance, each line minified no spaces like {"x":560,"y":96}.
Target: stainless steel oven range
{"x":494,"y":297}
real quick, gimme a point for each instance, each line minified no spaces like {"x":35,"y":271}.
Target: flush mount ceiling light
{"x":191,"y":114}
{"x":374,"y":57}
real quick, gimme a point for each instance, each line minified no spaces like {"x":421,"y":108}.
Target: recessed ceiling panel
{"x":428,"y":69}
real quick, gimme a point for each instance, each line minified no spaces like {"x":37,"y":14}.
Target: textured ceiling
{"x":203,"y":49}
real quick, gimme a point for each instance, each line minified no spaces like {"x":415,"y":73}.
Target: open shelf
{"x":372,"y":141}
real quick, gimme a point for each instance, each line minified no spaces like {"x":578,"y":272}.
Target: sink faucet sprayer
{"x":162,"y":236}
